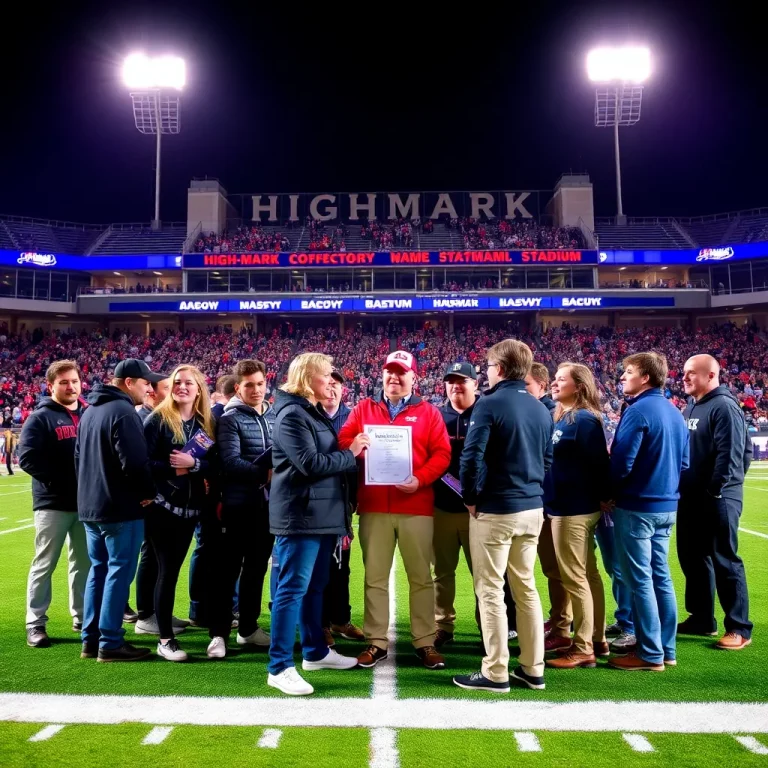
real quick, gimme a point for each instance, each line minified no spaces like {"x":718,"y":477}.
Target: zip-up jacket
{"x":46,"y":452}
{"x":721,"y":449}
{"x":648,"y":453}
{"x":431,"y":451}
{"x":242,"y":435}
{"x":457,"y":425}
{"x":507,"y":451}
{"x":113,"y":473}
{"x":185,"y":492}
{"x":309,"y":480}
{"x":549,"y":402}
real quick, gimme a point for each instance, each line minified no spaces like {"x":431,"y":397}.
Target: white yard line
{"x":46,"y":733}
{"x":754,"y":533}
{"x":427,"y":714}
{"x":637,"y":742}
{"x":382,"y":747}
{"x":157,"y":735}
{"x":755,"y":488}
{"x":527,"y":742}
{"x":13,"y":493}
{"x":270,"y":739}
{"x":22,"y":528}
{"x":25,"y":520}
{"x":752,"y":744}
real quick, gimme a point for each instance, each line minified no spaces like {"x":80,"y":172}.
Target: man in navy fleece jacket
{"x":648,"y":454}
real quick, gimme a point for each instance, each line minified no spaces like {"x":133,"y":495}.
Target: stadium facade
{"x":542,"y":257}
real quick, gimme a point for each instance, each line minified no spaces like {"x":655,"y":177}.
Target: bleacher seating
{"x":49,"y":237}
{"x":139,"y":239}
{"x":639,"y":235}
{"x":709,"y":232}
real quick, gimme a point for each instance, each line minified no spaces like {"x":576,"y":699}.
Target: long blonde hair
{"x":168,"y":410}
{"x":301,"y":370}
{"x":587,"y":397}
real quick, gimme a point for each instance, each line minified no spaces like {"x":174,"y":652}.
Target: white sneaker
{"x":171,"y":651}
{"x":333,"y":660}
{"x":149,"y":627}
{"x":291,"y":682}
{"x":259,"y":637}
{"x":217,"y":648}
{"x":512,"y":634}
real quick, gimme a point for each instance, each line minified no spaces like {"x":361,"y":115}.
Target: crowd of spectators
{"x":251,"y":239}
{"x":741,"y":351}
{"x":514,"y":234}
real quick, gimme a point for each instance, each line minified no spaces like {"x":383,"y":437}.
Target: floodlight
{"x":141,"y":71}
{"x":628,"y":64}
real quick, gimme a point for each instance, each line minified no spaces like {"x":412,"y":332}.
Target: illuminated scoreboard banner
{"x":336,"y":304}
{"x":327,"y":259}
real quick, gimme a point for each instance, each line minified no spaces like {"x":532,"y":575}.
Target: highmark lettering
{"x":581,"y":301}
{"x":389,"y":303}
{"x":254,"y":305}
{"x":520,"y":301}
{"x":321,"y":303}
{"x":198,"y":306}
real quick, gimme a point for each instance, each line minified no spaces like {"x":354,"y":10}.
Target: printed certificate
{"x":389,"y":458}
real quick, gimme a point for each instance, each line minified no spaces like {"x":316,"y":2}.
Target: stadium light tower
{"x":618,"y":74}
{"x":154,"y":84}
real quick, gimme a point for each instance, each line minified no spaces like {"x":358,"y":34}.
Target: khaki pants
{"x":574,"y":540}
{"x":560,"y":612}
{"x":508,"y":542}
{"x":379,"y":532}
{"x":451,"y":536}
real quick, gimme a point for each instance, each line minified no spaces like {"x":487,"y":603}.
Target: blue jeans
{"x":298,"y":600}
{"x":643,"y":539}
{"x":114,"y":552}
{"x":622,"y":595}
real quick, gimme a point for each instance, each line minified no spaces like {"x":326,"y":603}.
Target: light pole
{"x":618,"y":74}
{"x":154,"y":84}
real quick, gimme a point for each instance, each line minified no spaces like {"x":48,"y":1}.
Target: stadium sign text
{"x":715,"y":254}
{"x":382,"y":206}
{"x":316,"y":259}
{"x":38,"y":259}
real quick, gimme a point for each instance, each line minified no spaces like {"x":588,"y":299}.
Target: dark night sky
{"x":324,"y":100}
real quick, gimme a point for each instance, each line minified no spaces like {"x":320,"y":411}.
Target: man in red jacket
{"x":400,"y":514}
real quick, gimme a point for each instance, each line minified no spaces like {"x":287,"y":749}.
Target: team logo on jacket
{"x":692,"y":424}
{"x":556,"y":435}
{"x":411,"y":418}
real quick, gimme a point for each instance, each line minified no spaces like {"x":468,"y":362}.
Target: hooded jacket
{"x":242,"y":435}
{"x":431,"y":453}
{"x":309,"y":481}
{"x":457,"y":425}
{"x":46,"y":452}
{"x":721,"y":448}
{"x":111,"y":461}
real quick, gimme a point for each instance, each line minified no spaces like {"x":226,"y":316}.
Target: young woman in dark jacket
{"x":308,"y":513}
{"x":183,"y":484}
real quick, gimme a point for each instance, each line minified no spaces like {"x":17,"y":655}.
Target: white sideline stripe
{"x":426,"y":714}
{"x":22,"y":528}
{"x":157,"y":735}
{"x":755,"y":488}
{"x":637,"y":742}
{"x":46,"y":733}
{"x":13,"y":493}
{"x":3,"y":518}
{"x":754,"y":533}
{"x":527,"y":742}
{"x":382,"y":747}
{"x":752,"y":744}
{"x":270,"y":738}
{"x":25,"y":519}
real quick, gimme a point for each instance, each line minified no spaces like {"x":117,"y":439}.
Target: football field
{"x":56,"y":709}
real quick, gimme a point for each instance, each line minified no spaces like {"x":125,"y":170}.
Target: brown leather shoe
{"x":572,"y":660}
{"x":430,"y":658}
{"x":442,"y":637}
{"x":329,"y":641}
{"x":601,"y":650}
{"x":552,"y":643}
{"x":730,"y":641}
{"x":348,"y":631}
{"x":633,"y":663}
{"x":371,"y":656}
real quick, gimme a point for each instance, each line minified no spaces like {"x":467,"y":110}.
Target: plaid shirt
{"x":394,"y":409}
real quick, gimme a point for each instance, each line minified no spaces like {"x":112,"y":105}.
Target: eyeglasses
{"x":491,"y":365}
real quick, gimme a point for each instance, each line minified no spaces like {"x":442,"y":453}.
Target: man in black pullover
{"x":711,"y":498}
{"x":46,"y":453}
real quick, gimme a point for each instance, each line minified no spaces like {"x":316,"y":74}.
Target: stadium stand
{"x":140,"y":239}
{"x":642,"y":234}
{"x":47,"y":236}
{"x":742,"y":352}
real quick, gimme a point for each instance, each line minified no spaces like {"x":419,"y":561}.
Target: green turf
{"x":703,"y":674}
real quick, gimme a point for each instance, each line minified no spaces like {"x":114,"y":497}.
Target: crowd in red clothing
{"x":741,"y":351}
{"x":242,"y":240}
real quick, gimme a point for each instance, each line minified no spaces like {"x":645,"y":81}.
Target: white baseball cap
{"x":401,"y":359}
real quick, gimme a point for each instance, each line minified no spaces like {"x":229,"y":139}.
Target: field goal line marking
{"x":426,"y":714}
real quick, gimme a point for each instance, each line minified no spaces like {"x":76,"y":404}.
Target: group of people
{"x":152,"y":460}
